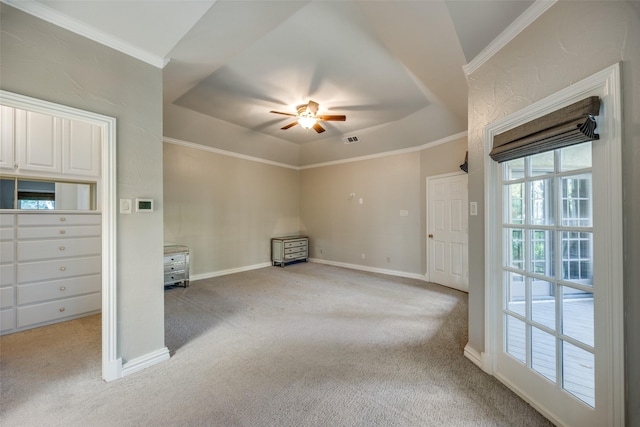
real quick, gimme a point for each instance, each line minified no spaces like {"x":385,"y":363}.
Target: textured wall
{"x":341,"y":229}
{"x":226,"y":209}
{"x":570,"y":42}
{"x":43,"y":61}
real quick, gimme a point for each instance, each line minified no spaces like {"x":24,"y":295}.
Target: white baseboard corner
{"x":474,"y":355}
{"x":142,"y":362}
{"x":112,"y":370}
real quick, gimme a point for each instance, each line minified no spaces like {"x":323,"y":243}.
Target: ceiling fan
{"x":307,"y":117}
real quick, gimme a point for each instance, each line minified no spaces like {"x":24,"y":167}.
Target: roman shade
{"x":570,"y":125}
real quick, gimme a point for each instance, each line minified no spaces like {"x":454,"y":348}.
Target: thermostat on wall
{"x":144,"y":205}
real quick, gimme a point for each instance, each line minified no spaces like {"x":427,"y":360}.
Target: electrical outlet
{"x":363,"y":256}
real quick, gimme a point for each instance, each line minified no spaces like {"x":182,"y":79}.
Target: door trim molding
{"x":607,"y":81}
{"x":111,"y":363}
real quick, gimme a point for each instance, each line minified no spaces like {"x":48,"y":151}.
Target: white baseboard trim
{"x":229,"y":271}
{"x":142,"y":362}
{"x":112,"y":370}
{"x":369,"y":269}
{"x":474,"y":355}
{"x":481,"y":359}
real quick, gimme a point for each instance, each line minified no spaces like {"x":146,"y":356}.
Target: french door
{"x":556,"y":277}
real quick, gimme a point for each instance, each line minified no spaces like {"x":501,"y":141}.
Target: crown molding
{"x":48,"y":14}
{"x":431,"y":144}
{"x":225,"y":152}
{"x":523,"y":21}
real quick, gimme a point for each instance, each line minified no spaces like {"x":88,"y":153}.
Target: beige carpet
{"x":307,"y":345}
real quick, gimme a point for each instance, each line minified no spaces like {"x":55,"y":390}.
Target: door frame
{"x":607,"y":80}
{"x":426,"y":236}
{"x":111,"y":363}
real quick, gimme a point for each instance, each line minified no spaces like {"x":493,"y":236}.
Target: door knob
{"x":431,"y":236}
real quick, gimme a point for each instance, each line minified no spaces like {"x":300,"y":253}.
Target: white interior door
{"x":447,"y":231}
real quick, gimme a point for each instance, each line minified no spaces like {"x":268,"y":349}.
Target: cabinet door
{"x":7,"y":142}
{"x":81,"y":143}
{"x":38,"y":140}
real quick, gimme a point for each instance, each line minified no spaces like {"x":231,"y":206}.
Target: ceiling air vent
{"x":350,"y":139}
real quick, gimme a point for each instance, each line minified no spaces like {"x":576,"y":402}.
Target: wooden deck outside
{"x":577,"y":364}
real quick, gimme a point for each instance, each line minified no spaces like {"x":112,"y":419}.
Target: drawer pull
{"x":61,"y":309}
{"x":62,"y":248}
{"x":63,"y":231}
{"x":63,"y":219}
{"x":63,"y":268}
{"x":62,"y":288}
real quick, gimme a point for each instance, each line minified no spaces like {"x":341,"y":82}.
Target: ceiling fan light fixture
{"x":306,"y":122}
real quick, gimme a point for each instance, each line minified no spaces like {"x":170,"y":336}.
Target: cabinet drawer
{"x":7,"y":319}
{"x":169,"y":268}
{"x":45,"y":312}
{"x":57,"y":269}
{"x":295,"y":250}
{"x":6,"y":297}
{"x":176,"y":276}
{"x":6,"y":252}
{"x":57,"y":219}
{"x":43,"y":291}
{"x":61,"y":248}
{"x":7,"y":274}
{"x":295,"y":243}
{"x":175,"y":258}
{"x":295,"y":255}
{"x":7,"y":220}
{"x":25,"y":233}
{"x":6,"y":234}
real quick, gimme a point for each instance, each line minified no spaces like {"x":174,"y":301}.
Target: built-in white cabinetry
{"x":7,"y":137}
{"x":50,"y":268}
{"x":38,"y":144}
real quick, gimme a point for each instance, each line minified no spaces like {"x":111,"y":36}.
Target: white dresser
{"x":50,"y":268}
{"x":176,"y":265}
{"x":288,"y":249}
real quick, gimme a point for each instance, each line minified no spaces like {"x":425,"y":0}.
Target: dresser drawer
{"x":6,"y":297}
{"x":26,"y":233}
{"x":51,"y":270}
{"x":45,"y":312}
{"x":169,"y":268}
{"x":295,"y":243}
{"x":60,"y":248}
{"x":7,"y":319}
{"x":58,"y":219}
{"x":176,"y":276}
{"x":295,"y":255}
{"x":175,"y":258}
{"x":296,"y":250}
{"x":44,"y":291}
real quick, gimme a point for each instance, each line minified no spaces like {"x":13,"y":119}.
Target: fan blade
{"x":332,"y":118}
{"x":318,"y":128}
{"x":290,"y":125}
{"x":312,"y":107}
{"x":284,"y":114}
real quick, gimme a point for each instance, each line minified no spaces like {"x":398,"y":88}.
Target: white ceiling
{"x":377,"y":62}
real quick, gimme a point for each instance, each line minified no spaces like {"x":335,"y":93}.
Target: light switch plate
{"x":125,"y":206}
{"x":473,"y":208}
